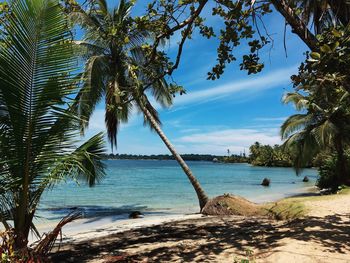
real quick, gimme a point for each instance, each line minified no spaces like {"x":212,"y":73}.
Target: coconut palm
{"x":38,"y":122}
{"x":323,"y":125}
{"x":115,"y":70}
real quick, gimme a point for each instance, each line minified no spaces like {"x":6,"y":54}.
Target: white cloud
{"x":257,"y":84}
{"x":217,"y":142}
{"x":189,"y":130}
{"x":279,"y":119}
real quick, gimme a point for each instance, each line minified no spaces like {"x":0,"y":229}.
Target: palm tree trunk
{"x":202,"y":197}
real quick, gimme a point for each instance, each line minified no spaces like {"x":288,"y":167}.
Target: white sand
{"x":84,"y":229}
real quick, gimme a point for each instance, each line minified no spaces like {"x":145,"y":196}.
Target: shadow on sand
{"x":201,"y":240}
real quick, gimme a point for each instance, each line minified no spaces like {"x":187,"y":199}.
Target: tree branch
{"x":298,"y":27}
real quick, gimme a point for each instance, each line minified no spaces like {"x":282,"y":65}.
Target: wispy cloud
{"x":277,"y":119}
{"x":236,"y":140}
{"x":257,"y":84}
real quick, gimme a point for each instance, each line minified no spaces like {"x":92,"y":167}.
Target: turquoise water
{"x":161,"y":187}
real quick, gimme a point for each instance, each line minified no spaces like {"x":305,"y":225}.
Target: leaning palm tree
{"x":115,"y":70}
{"x":38,"y":121}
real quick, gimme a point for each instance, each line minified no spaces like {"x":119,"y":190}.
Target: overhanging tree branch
{"x":298,"y":27}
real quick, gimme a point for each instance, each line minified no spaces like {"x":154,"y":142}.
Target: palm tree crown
{"x":117,"y":69}
{"x":38,"y":122}
{"x":114,"y":69}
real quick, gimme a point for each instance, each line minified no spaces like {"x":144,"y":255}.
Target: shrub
{"x":328,"y":172}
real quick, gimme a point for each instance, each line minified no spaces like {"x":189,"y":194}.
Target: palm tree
{"x":115,"y":70}
{"x":324,"y":125}
{"x":38,"y":122}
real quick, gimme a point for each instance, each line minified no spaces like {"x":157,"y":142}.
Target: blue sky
{"x":230,"y":113}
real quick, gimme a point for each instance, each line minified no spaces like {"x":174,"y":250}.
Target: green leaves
{"x":321,"y":93}
{"x":315,"y":55}
{"x":120,"y":65}
{"x":325,"y":48}
{"x":39,"y":126}
{"x":240,"y":25}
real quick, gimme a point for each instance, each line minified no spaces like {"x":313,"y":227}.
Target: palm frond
{"x":325,"y":133}
{"x":295,"y":123}
{"x":300,"y":101}
{"x":95,"y":81}
{"x":38,"y":123}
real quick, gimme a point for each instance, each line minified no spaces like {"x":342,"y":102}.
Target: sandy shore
{"x":322,"y":236}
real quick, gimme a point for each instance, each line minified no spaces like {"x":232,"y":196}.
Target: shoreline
{"x":82,"y":228}
{"x":198,"y":238}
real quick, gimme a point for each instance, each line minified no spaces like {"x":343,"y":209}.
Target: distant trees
{"x":266,"y":155}
{"x":234,"y":158}
{"x":186,"y":157}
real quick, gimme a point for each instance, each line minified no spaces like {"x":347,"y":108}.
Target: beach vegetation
{"x":322,"y":96}
{"x":249,"y":257}
{"x":39,"y":125}
{"x":286,"y":209}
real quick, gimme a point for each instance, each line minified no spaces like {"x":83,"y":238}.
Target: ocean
{"x":161,"y":188}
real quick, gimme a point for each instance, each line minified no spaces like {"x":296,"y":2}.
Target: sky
{"x":230,"y":113}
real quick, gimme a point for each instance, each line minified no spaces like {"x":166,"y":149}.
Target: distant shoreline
{"x":186,"y":157}
{"x":203,"y":160}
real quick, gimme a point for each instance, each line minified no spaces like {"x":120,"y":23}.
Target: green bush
{"x":327,"y":173}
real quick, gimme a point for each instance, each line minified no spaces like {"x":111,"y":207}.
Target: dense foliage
{"x":267,"y":155}
{"x":235,"y":158}
{"x":39,"y":126}
{"x":322,"y":95}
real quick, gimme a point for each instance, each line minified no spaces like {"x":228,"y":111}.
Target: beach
{"x":160,"y":188}
{"x":321,"y":236}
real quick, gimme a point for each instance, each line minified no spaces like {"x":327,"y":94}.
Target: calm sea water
{"x":161,"y":187}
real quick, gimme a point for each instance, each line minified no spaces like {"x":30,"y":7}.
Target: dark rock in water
{"x":293,"y":182}
{"x":306,"y":179}
{"x":265,"y":182}
{"x":136,"y":214}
